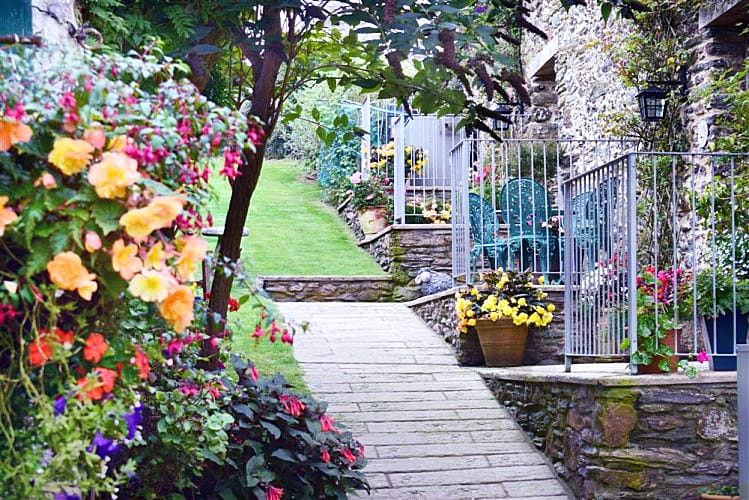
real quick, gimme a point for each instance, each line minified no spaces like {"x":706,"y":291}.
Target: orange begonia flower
{"x":152,"y":286}
{"x":95,"y":348}
{"x":141,"y":361}
{"x":7,"y":215}
{"x":66,"y":271}
{"x":193,"y":252}
{"x":113,"y":174}
{"x":125,"y":260}
{"x":95,"y":136}
{"x":70,"y":155}
{"x":177,"y":308}
{"x":12,"y":132}
{"x":158,"y":214}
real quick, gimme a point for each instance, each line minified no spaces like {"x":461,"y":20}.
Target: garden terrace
{"x":613,"y":435}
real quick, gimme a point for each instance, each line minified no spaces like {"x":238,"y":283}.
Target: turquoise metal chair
{"x":484,"y":228}
{"x":525,"y":207}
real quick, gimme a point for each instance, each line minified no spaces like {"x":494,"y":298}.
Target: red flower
{"x":325,"y":456}
{"x":141,"y":361}
{"x":95,"y":348}
{"x":253,"y":373}
{"x":233,"y":305}
{"x":63,"y":337}
{"x":104,"y":384}
{"x":39,"y":352}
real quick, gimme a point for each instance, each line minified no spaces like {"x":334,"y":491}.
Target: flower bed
{"x":105,"y":164}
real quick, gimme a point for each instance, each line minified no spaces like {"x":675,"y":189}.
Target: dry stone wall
{"x":633,"y":439}
{"x":327,"y":288}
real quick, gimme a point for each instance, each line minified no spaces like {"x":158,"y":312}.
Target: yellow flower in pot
{"x":501,"y":308}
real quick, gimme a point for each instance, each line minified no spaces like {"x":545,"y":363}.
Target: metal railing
{"x":657,"y":252}
{"x":517,"y":181}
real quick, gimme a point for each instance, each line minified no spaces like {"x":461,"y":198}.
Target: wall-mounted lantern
{"x":654,"y":100}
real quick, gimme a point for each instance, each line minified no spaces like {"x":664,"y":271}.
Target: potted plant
{"x":662,"y":298}
{"x":501,"y":308}
{"x":722,"y":293}
{"x":370,"y":197}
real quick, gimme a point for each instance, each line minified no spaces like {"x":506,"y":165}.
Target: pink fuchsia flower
{"x":355,"y":178}
{"x":325,"y":456}
{"x":259,"y":332}
{"x":326,"y":422}
{"x":287,"y":337}
{"x":253,"y":373}
{"x":346,"y":453}
{"x":292,"y":405}
{"x":189,"y":389}
{"x":702,"y":357}
{"x":273,"y":493}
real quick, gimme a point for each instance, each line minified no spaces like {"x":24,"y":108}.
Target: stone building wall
{"x":545,"y":345}
{"x":572,"y":75}
{"x":52,"y":20}
{"x":645,"y":437}
{"x":573,"y":79}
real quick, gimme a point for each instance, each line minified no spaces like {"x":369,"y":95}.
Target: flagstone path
{"x":431,"y":429}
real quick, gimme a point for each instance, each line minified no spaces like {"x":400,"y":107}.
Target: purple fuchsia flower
{"x":133,"y":420}
{"x":59,"y":405}
{"x":102,"y":446}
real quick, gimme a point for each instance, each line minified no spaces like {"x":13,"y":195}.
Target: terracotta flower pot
{"x":502,"y":342}
{"x":652,"y":367}
{"x":373,"y":219}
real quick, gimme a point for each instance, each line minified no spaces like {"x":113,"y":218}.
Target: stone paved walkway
{"x":431,"y":429}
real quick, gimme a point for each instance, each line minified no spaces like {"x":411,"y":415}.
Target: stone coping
{"x":451,"y":291}
{"x":431,"y":298}
{"x":403,"y":227}
{"x":604,"y":374}
{"x":312,"y":279}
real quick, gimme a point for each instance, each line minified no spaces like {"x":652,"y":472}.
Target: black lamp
{"x":498,"y":124}
{"x":652,"y":102}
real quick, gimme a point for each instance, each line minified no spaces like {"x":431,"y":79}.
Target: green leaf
{"x":275,"y":431}
{"x":285,"y":455}
{"x":41,"y":253}
{"x":107,"y":215}
{"x":606,"y":8}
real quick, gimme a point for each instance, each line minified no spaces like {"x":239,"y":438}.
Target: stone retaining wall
{"x":402,"y":249}
{"x":327,"y":288}
{"x":648,"y":436}
{"x":545,"y":346}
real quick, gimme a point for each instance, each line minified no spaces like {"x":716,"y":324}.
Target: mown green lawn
{"x":291,"y":233}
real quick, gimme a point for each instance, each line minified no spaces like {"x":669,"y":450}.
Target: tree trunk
{"x":264,"y":109}
{"x":231,"y":241}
